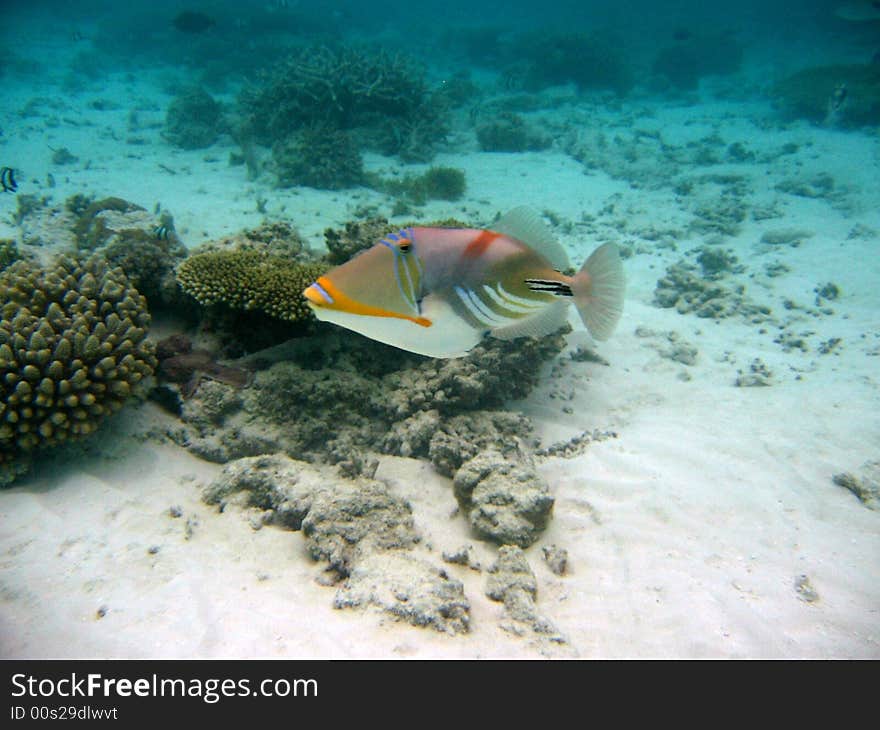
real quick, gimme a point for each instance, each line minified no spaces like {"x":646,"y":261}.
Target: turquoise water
{"x":709,"y":470}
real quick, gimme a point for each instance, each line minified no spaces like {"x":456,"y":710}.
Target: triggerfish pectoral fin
{"x":598,"y":290}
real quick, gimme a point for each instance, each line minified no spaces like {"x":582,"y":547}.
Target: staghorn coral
{"x":318,"y":157}
{"x":249,"y":280}
{"x":342,"y":87}
{"x":73,"y":349}
{"x":194,"y":120}
{"x":346,"y":88}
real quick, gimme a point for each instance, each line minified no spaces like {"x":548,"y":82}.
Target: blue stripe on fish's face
{"x":383,"y":281}
{"x":408,"y":267}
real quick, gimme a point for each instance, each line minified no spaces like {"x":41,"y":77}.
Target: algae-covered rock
{"x":359,"y":528}
{"x":512,"y":582}
{"x":73,"y":349}
{"x":409,"y":588}
{"x":865,"y":484}
{"x":353,"y":517}
{"x":355,"y":236}
{"x":505,"y":499}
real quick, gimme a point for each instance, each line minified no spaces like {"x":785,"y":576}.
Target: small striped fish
{"x":439,"y":291}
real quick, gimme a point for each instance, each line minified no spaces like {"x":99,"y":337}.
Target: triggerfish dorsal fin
{"x":526,"y":225}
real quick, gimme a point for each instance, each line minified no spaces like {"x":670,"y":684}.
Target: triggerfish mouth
{"x":439,"y":291}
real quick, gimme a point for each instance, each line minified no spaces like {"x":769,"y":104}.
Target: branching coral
{"x":341,"y":87}
{"x":318,"y":157}
{"x":73,"y":349}
{"x":345,"y":88}
{"x":250,"y":280}
{"x":193,"y":121}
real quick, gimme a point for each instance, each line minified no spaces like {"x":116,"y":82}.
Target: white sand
{"x":686,"y":534}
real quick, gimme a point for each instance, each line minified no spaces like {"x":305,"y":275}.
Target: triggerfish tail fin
{"x":598,"y":291}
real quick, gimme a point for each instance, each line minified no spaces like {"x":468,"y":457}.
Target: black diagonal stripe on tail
{"x":558,"y":288}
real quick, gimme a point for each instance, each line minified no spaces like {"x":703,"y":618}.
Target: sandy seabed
{"x":709,"y":527}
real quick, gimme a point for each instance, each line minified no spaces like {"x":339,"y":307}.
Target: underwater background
{"x":191,"y":465}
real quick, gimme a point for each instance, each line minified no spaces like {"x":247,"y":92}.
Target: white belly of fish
{"x":447,"y":336}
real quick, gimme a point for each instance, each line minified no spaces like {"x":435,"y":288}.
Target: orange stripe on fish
{"x":352,"y":306}
{"x":478,"y":246}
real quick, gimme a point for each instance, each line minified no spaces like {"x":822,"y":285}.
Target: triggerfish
{"x":439,"y":291}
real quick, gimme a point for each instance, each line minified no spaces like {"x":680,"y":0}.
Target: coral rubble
{"x":361,"y":530}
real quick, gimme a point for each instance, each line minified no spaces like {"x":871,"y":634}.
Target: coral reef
{"x":318,"y":156}
{"x":143,"y":245}
{"x":508,"y":132}
{"x":355,"y":236}
{"x":354,"y":397}
{"x":8,"y":253}
{"x":589,"y":60}
{"x":249,"y":280}
{"x":92,"y":229}
{"x":194,"y":120}
{"x":807,"y":94}
{"x":685,"y":63}
{"x":73,"y":349}
{"x":180,"y":363}
{"x":361,"y":530}
{"x":346,"y":88}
